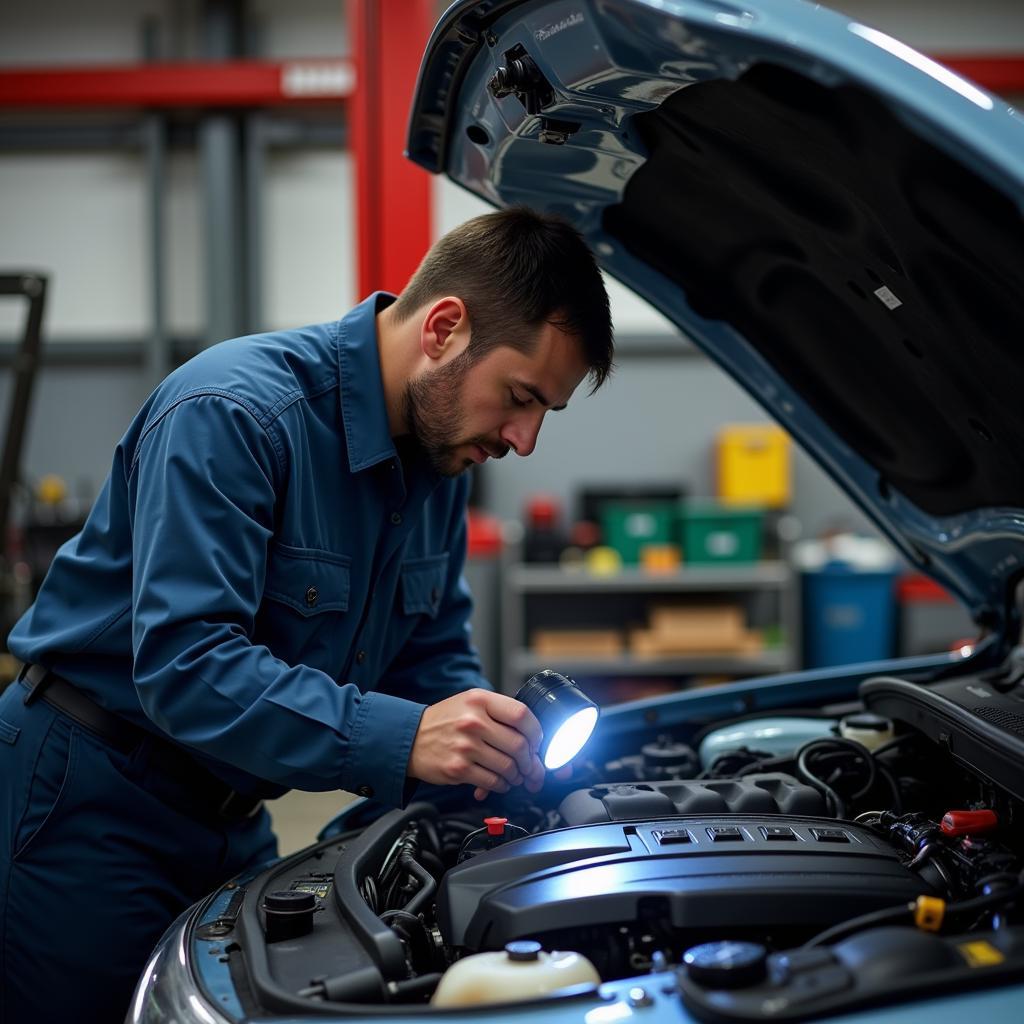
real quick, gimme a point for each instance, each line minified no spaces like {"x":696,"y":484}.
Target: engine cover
{"x":766,"y":793}
{"x":699,"y":873}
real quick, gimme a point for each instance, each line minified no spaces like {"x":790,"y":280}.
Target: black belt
{"x":206,"y":792}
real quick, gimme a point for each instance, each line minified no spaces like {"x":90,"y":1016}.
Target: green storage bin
{"x":713,"y":534}
{"x":628,"y":526}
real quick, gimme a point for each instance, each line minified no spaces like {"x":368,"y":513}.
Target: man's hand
{"x":478,"y":737}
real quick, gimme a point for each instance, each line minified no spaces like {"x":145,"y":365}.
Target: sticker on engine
{"x":319,"y":889}
{"x":980,"y":954}
{"x":887,"y":298}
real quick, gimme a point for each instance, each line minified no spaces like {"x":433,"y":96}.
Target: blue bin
{"x":849,"y":615}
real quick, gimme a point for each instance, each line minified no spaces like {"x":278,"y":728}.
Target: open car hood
{"x":833,"y":218}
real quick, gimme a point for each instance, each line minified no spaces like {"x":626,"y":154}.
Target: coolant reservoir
{"x":867,"y":729}
{"x":522,"y":971}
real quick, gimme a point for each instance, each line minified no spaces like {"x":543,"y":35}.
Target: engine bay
{"x":767,"y":867}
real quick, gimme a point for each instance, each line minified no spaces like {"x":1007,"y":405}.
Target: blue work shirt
{"x":263,"y":578}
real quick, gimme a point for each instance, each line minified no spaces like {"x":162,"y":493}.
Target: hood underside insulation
{"x":879,"y":276}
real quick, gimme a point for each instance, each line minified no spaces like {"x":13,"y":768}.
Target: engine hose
{"x":422,"y":952}
{"x":427,"y":884}
{"x":904,"y":913}
{"x":836,"y":745}
{"x":891,"y":915}
{"x":432,"y":863}
{"x":835,"y":803}
{"x":414,"y":988}
{"x":429,"y":830}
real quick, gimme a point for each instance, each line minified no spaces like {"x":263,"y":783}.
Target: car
{"x":836,"y":220}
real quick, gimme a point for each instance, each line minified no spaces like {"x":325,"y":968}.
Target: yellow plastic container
{"x":754,"y":465}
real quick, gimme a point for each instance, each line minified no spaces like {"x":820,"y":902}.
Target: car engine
{"x":726,"y":856}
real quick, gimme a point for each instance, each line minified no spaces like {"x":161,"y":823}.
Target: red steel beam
{"x":997,"y":74}
{"x":240,"y":83}
{"x":393,"y":195}
{"x":271,"y":83}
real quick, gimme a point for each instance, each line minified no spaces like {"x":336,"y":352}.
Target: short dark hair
{"x":515,"y":270}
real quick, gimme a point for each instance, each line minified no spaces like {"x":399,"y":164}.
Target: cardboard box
{"x":580,"y":643}
{"x":646,"y":643}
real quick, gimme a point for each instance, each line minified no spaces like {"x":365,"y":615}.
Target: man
{"x":268,"y":595}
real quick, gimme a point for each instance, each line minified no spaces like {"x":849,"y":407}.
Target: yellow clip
{"x":928,"y":913}
{"x":980,"y":954}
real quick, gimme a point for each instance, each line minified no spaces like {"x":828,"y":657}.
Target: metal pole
{"x":219,"y":147}
{"x":256,"y":142}
{"x":158,"y":356}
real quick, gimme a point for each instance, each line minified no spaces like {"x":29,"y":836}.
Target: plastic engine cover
{"x":769,"y":793}
{"x":718,"y":873}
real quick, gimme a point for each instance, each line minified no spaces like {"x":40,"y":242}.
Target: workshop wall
{"x":82,"y":216}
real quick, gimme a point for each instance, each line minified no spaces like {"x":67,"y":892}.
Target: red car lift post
{"x":393,"y":196}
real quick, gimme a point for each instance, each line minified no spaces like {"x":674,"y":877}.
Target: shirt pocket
{"x":423,"y":582}
{"x":308,"y":580}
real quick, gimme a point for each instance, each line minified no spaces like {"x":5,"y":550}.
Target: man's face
{"x":463,"y":413}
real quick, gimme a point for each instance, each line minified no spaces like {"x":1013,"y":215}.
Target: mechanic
{"x":267,"y":595}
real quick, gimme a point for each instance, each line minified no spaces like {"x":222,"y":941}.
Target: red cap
{"x":542,"y":510}
{"x":483,"y":535}
{"x":967,"y":823}
{"x":495,"y":826}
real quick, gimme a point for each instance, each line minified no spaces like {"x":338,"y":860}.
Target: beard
{"x":433,"y":411}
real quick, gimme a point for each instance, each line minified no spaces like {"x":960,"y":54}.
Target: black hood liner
{"x":781,"y":206}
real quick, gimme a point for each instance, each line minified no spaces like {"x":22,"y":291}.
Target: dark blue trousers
{"x":97,"y":857}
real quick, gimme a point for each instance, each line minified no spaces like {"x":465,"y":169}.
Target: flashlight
{"x":566,"y":714}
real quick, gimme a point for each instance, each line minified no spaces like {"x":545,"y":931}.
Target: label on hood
{"x":887,"y":298}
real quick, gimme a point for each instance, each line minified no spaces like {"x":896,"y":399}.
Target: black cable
{"x":429,"y":830}
{"x":428,"y":886}
{"x":888,"y":916}
{"x":729,"y":763}
{"x":833,"y":801}
{"x":831,"y":749}
{"x":992,"y":899}
{"x":417,"y":988}
{"x":770,"y":764}
{"x":906,"y":911}
{"x":368,"y":888}
{"x":890,"y":781}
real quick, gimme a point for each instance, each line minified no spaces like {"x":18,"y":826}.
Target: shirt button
{"x":396,"y":518}
{"x":360,"y":657}
{"x":366,"y":791}
{"x":312,"y":596}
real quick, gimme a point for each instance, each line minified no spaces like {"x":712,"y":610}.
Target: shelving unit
{"x":572,"y":597}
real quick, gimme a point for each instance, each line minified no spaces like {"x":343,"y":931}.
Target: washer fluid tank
{"x":520,"y":972}
{"x":775,"y":736}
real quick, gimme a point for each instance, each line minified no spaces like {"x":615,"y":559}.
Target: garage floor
{"x":299,"y":816}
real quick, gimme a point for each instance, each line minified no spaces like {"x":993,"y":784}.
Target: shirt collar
{"x":363,"y":409}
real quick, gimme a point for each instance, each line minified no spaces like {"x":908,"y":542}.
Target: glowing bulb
{"x":570,"y":738}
